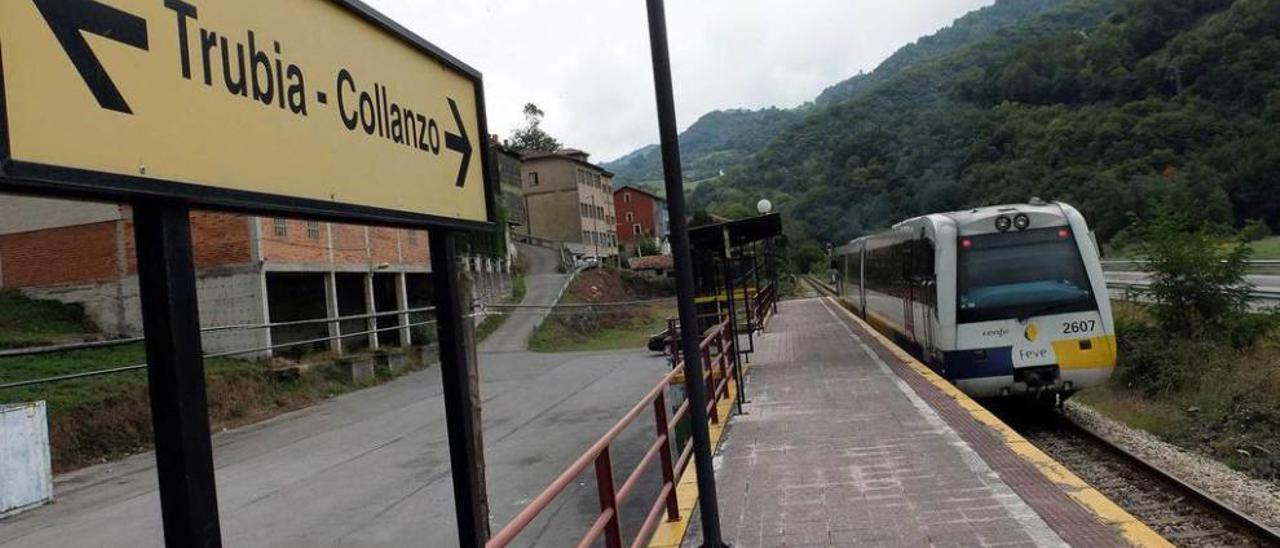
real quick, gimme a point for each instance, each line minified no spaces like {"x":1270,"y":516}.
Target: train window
{"x":1019,"y":275}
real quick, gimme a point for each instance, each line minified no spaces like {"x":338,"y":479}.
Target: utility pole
{"x":695,"y":386}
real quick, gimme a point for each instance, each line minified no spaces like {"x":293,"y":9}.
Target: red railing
{"x":765,"y":303}
{"x":717,"y":371}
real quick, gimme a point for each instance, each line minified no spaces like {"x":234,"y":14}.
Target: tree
{"x":645,"y":247}
{"x":1198,"y":278}
{"x":532,"y":137}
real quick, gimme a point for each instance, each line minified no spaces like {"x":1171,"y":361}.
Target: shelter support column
{"x":371,"y":308}
{"x":402,"y":304}
{"x":332,"y":312}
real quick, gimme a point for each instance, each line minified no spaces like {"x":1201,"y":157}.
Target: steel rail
{"x":1217,"y":506}
{"x":71,"y":347}
{"x":135,"y":367}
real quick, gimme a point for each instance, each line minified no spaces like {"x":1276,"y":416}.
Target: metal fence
{"x":1139,"y":265}
{"x":336,"y":335}
{"x":719,"y":358}
{"x":1140,"y":291}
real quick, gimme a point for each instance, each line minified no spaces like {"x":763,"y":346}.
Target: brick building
{"x":570,"y":200}
{"x":250,"y":270}
{"x":641,"y":215}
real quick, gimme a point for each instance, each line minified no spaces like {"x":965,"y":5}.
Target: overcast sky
{"x":586,"y":62}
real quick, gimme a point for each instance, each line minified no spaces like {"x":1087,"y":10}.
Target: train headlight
{"x":1003,"y":223}
{"x":1022,"y":221}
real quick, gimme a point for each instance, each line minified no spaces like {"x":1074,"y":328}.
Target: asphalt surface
{"x":371,"y":468}
{"x":543,"y":287}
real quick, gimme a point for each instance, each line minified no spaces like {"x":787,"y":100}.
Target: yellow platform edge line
{"x":670,"y":534}
{"x":1135,"y":532}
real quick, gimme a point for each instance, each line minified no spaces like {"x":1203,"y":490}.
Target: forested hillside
{"x":1118,"y":106}
{"x":719,"y":140}
{"x":726,"y":138}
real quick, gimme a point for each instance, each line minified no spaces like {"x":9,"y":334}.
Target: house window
{"x":280,"y":226}
{"x":631,"y":217}
{"x":586,"y":236}
{"x":313,"y":230}
{"x":635,"y":229}
{"x":533,"y":178}
{"x":626,"y":197}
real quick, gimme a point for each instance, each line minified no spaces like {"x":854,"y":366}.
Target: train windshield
{"x":1020,"y":275}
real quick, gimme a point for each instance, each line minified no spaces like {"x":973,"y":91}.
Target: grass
{"x":491,"y":323}
{"x":31,"y":322}
{"x":582,"y":333}
{"x":1266,"y":249}
{"x":1204,"y":396}
{"x":98,"y":419}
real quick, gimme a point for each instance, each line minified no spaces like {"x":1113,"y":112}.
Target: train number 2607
{"x":1082,"y":326}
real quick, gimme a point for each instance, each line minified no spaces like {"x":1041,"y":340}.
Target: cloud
{"x":586,"y":62}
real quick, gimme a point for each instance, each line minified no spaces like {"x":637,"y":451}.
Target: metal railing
{"x":338,"y":335}
{"x":718,"y":353}
{"x":765,"y":304}
{"x":1136,"y":265}
{"x":1136,"y":291}
{"x":69,"y":347}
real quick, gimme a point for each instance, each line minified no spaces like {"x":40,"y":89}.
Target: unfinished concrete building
{"x":251,"y":271}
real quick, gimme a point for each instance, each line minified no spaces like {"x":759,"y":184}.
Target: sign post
{"x":175,"y":375}
{"x":461,"y":400}
{"x":318,"y":109}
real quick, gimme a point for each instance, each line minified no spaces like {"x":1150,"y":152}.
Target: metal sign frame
{"x":167,"y":277}
{"x":68,"y":182}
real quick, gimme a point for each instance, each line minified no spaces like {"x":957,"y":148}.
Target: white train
{"x":1003,"y":300}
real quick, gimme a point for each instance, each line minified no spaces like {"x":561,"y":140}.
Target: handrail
{"x":140,"y":366}
{"x":1255,"y":294}
{"x":69,"y":347}
{"x":606,"y":523}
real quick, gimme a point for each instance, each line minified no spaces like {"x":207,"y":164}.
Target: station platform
{"x":848,"y":441}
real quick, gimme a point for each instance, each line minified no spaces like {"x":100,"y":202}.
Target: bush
{"x":1198,"y":282}
{"x":1254,"y":230}
{"x":1154,"y":364}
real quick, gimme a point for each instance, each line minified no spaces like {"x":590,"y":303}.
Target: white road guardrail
{"x":1133,"y":290}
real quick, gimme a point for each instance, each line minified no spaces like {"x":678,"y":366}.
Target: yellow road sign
{"x":307,"y":107}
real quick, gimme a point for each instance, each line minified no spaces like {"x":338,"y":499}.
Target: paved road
{"x":371,"y":468}
{"x":543,"y":285}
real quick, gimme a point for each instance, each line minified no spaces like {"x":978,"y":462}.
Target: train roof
{"x":983,"y":215}
{"x":979,"y":220}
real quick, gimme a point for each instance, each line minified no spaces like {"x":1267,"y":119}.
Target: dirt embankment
{"x":607,"y":285}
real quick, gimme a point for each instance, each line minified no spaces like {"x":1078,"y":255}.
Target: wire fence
{"x":480,"y":310}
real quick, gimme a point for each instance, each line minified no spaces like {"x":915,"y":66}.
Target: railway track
{"x":1179,"y":511}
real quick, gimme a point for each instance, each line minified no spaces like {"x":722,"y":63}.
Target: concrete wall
{"x":234,"y":298}
{"x":25,"y":214}
{"x":26,"y":476}
{"x":228,"y":296}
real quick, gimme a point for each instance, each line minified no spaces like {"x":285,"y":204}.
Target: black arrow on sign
{"x":459,"y":143}
{"x":67,"y":18}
